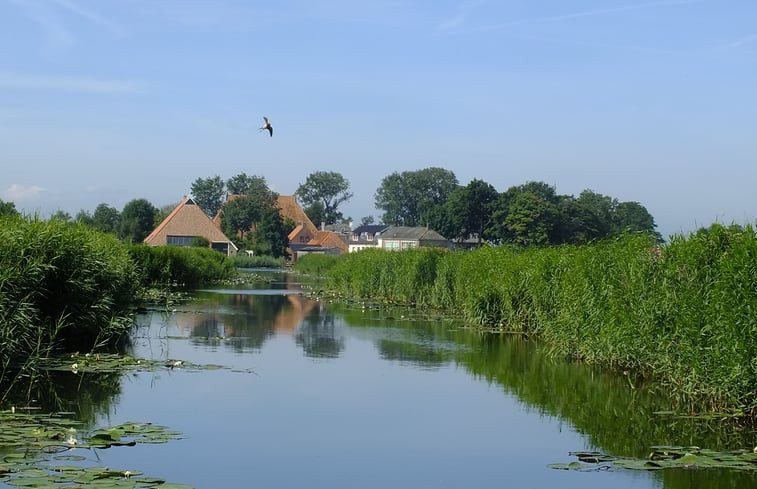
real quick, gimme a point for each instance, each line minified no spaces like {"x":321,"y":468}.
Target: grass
{"x":684,"y":314}
{"x":65,"y":287}
{"x":62,"y":286}
{"x":180,"y":266}
{"x":244,"y":261}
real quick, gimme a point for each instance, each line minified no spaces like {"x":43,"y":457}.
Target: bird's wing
{"x":266,"y":120}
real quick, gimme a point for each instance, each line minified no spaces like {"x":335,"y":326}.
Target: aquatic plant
{"x":684,"y":314}
{"x":62,"y":286}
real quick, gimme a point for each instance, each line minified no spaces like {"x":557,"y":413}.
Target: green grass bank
{"x":684,"y":314}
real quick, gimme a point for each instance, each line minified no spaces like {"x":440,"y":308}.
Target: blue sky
{"x":648,"y":101}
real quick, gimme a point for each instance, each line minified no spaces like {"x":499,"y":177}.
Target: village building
{"x":185,"y":224}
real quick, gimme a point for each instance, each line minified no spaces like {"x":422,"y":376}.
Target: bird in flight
{"x":267,"y":126}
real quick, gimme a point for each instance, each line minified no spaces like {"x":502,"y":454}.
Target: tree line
{"x":529,"y":214}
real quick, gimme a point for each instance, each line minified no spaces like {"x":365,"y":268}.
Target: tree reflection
{"x":318,"y":335}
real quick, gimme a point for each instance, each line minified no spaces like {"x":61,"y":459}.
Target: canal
{"x":315,"y":395}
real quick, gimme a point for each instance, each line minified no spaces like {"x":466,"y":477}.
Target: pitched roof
{"x":414,"y":233}
{"x":370,"y":228}
{"x":329,"y":239}
{"x":187,"y":219}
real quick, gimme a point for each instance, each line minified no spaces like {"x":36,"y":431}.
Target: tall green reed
{"x":684,"y":314}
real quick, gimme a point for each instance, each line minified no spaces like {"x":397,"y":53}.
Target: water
{"x":327,"y":395}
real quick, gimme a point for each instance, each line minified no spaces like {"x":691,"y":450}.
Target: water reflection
{"x":319,"y":334}
{"x":319,"y":358}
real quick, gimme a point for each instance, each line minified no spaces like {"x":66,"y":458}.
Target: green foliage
{"x":107,"y":219}
{"x":7,"y":209}
{"x":62,"y":285}
{"x":245,"y":261}
{"x":180,"y":265}
{"x":137,"y":220}
{"x":200,"y":242}
{"x":244,"y":184}
{"x":324,"y":191}
{"x":208,"y":194}
{"x":271,"y":236}
{"x":470,"y":210}
{"x":410,"y":197}
{"x":683,"y":314}
{"x":316,"y":263}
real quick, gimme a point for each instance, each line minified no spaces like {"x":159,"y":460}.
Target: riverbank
{"x":684,"y":314}
{"x":65,"y":287}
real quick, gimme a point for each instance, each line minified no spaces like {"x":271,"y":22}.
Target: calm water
{"x":325,"y":395}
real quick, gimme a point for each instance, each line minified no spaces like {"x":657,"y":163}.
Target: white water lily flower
{"x":72,"y":441}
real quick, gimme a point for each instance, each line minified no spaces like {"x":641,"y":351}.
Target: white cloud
{"x":17,"y":192}
{"x":25,"y":81}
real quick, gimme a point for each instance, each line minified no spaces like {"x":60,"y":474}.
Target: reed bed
{"x":180,"y":266}
{"x":62,"y":286}
{"x":684,"y":314}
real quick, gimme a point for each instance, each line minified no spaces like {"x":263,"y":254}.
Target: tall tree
{"x":208,"y":193}
{"x":270,"y":236}
{"x":106,"y":218}
{"x":531,"y":219}
{"x":412,"y":197}
{"x":242,"y":214}
{"x":470,"y":209}
{"x":137,"y":220}
{"x":244,"y":184}
{"x":327,"y":188}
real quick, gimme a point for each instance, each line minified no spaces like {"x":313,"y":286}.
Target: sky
{"x":106,"y":101}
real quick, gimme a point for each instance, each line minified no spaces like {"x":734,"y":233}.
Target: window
{"x":179,"y":240}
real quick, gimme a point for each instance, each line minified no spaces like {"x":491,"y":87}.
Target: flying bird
{"x":267,"y":126}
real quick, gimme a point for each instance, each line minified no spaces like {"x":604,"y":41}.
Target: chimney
{"x":323,"y":225}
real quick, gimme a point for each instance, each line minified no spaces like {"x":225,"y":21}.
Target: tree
{"x":531,"y":219}
{"x":239,"y":216}
{"x":316,"y":213}
{"x":84,"y":217}
{"x":329,"y":189}
{"x":163,"y":211}
{"x":61,"y":215}
{"x":470,"y":209}
{"x":7,"y":209}
{"x":106,"y":219}
{"x":271,"y":235}
{"x":632,"y":217}
{"x":412,"y":197}
{"x":366,"y":220}
{"x":208,"y":193}
{"x":244,"y":184}
{"x":137,"y":220}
